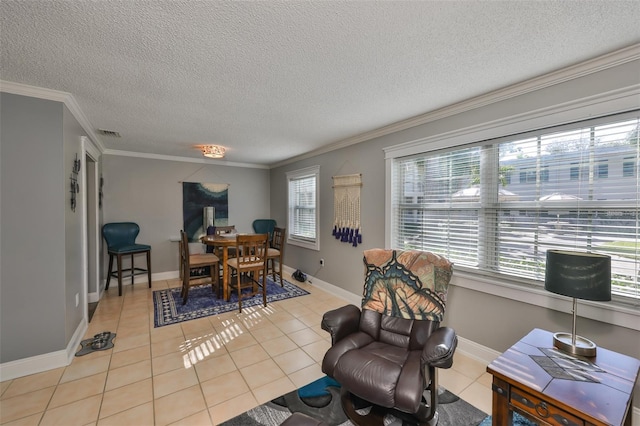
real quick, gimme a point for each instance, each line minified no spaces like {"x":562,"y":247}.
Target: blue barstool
{"x":121,"y":240}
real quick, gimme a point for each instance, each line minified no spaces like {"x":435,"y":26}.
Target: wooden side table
{"x":551,"y":387}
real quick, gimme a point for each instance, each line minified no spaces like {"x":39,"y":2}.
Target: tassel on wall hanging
{"x":346,"y":209}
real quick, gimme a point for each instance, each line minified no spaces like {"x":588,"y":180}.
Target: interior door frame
{"x":91,"y":198}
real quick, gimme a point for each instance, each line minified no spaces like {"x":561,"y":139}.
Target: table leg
{"x":627,"y":420}
{"x":501,"y":415}
{"x":225,"y":273}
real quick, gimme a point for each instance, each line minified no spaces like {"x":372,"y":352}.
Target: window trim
{"x":313,"y":244}
{"x":621,"y":101}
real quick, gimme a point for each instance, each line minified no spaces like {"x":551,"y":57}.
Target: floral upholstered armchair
{"x":387,"y":352}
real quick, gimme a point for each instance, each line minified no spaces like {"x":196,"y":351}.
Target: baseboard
{"x":49,"y":361}
{"x":159,"y":276}
{"x":477,"y":351}
{"x":93,"y":297}
{"x":169,"y":275}
{"x":337,"y":291}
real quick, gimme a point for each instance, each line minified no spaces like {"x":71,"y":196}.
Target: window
{"x":574,"y":171}
{"x":602,"y":171}
{"x":530,"y":176}
{"x":629,"y":167}
{"x":482,"y":222}
{"x":303,"y":207}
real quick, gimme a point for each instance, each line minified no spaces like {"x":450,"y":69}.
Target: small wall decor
{"x":100,"y":193}
{"x":346,"y":209}
{"x":75,"y":186}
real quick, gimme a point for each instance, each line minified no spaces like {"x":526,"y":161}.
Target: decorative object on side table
{"x":578,"y":275}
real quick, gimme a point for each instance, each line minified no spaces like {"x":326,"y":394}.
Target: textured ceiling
{"x":270,"y":80}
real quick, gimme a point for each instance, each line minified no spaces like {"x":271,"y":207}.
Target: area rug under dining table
{"x":202,"y":302}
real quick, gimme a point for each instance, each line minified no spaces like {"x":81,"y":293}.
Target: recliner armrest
{"x":341,"y":322}
{"x":439,"y":349}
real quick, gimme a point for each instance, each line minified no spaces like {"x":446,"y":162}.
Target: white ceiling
{"x":271,"y":80}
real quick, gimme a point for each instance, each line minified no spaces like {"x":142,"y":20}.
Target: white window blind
{"x":497,"y":206}
{"x":303,"y":207}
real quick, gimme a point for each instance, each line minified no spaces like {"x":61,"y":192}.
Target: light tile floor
{"x":200,"y":372}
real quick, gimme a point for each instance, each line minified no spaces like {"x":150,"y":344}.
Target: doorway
{"x":92,"y":235}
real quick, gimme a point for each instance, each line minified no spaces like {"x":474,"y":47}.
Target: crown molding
{"x":183,"y":159}
{"x":617,"y":101}
{"x":54,"y":95}
{"x":609,"y":60}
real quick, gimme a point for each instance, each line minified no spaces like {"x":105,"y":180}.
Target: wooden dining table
{"x":223,"y":242}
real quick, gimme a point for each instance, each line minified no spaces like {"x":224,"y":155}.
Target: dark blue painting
{"x":197,"y":196}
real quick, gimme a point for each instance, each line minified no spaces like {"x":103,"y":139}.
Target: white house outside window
{"x":303,"y":207}
{"x":497,"y":206}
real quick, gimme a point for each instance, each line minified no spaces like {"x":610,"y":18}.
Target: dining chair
{"x":262,"y":226}
{"x":276,"y":252}
{"x":121,"y":241}
{"x":198,"y":262}
{"x":249,"y":267}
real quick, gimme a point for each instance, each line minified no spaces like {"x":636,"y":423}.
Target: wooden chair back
{"x":252,"y":249}
{"x":192,"y":261}
{"x":249,"y":267}
{"x":276,"y":252}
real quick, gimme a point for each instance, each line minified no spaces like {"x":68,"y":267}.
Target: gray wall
{"x":39,"y":271}
{"x":343,"y":263}
{"x":149,"y":192}
{"x":73,"y":247}
{"x":491,"y":321}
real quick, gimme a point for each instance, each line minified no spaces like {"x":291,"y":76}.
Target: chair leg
{"x":264,"y":287}
{"x":110,"y":271}
{"x":280,"y":269}
{"x":375,"y":417}
{"x":149,"y":266}
{"x":215,"y":279}
{"x":119,"y":274}
{"x":273,"y":268}
{"x":185,"y":286}
{"x":238,"y":283}
{"x":132,"y":269}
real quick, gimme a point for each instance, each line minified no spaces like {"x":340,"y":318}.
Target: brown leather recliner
{"x":387,"y":353}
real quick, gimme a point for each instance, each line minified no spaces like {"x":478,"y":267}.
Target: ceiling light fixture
{"x":213,"y":151}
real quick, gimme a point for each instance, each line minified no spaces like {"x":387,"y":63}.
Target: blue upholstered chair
{"x":264,"y":226}
{"x":121,"y":241}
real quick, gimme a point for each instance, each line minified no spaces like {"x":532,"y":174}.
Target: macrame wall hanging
{"x":346,"y":209}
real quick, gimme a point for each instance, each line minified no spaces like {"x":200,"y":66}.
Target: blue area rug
{"x":203,"y":302}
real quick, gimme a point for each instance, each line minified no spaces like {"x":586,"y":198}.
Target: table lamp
{"x":578,"y":275}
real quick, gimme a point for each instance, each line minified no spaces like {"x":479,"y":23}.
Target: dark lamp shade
{"x":580,"y":275}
